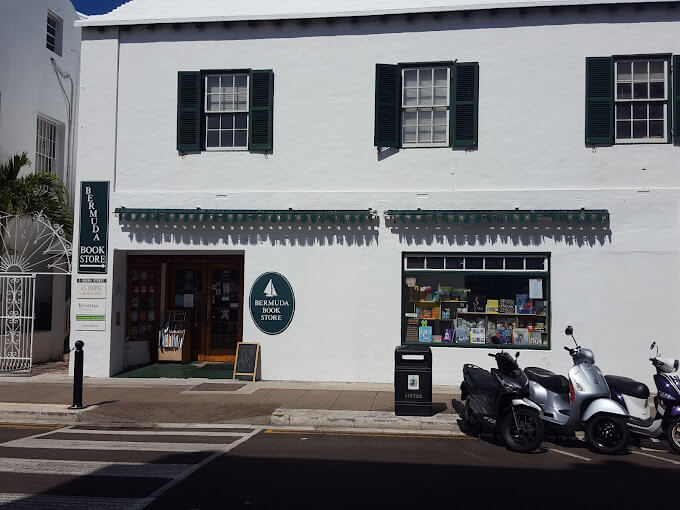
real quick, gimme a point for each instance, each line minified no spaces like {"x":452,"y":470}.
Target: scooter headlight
{"x":510,"y":386}
{"x":666,"y":396}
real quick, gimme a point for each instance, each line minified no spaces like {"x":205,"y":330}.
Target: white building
{"x":516,"y":179}
{"x":38,"y":41}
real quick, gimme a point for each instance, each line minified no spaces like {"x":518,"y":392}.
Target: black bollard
{"x":78,"y":377}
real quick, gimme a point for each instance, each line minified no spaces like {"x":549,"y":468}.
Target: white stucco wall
{"x":615,"y":287}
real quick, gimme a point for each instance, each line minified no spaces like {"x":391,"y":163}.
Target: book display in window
{"x":173,"y":337}
{"x":224,"y":308}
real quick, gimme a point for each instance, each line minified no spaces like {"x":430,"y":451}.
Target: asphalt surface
{"x":202,"y":467}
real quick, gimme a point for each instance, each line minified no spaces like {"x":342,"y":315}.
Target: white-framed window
{"x":54,"y":34}
{"x":226,"y":111}
{"x":46,"y":146}
{"x":425,"y":106}
{"x":641,"y":100}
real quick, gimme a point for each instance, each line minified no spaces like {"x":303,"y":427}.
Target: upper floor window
{"x":425,"y":106}
{"x":421,"y":105}
{"x":54,"y":34}
{"x":641,"y":100}
{"x":226,"y":111}
{"x":46,"y":146}
{"x":629,"y":99}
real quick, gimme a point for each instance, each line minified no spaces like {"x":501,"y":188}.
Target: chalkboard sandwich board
{"x":247,"y":360}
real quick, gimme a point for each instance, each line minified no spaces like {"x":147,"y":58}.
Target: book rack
{"x":174,"y":338}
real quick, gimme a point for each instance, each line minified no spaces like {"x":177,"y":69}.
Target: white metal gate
{"x":17,"y":293}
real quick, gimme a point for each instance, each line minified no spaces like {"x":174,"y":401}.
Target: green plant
{"x":33,"y":193}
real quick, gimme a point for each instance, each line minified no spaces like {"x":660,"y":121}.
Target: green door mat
{"x":198,"y":369}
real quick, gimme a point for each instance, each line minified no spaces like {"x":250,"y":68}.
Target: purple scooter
{"x":634,"y":396}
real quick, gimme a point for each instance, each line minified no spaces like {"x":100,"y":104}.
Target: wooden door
{"x":224,"y":301}
{"x":187,"y":288}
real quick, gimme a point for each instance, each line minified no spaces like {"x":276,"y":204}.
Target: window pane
{"x":213,"y":121}
{"x":240,"y":120}
{"x":240,"y":138}
{"x":640,"y":129}
{"x":440,"y":96}
{"x":640,"y":111}
{"x":410,"y":78}
{"x":241,"y":99}
{"x":514,"y":263}
{"x":440,"y":117}
{"x":227,"y":120}
{"x":623,"y":91}
{"x":240,"y":80}
{"x":213,"y":139}
{"x":213,"y":85}
{"x":424,"y":134}
{"x":535,"y":262}
{"x":439,"y":134}
{"x":227,"y":102}
{"x":656,"y":129}
{"x":409,"y":134}
{"x":493,"y":263}
{"x":425,"y":96}
{"x":623,"y":111}
{"x":640,"y":91}
{"x":473,"y":262}
{"x":227,"y":138}
{"x":623,"y":129}
{"x":410,"y":117}
{"x":655,"y":111}
{"x":656,"y":70}
{"x":656,"y":90}
{"x":425,"y":76}
{"x":435,"y":262}
{"x":440,"y":78}
{"x":411,"y":97}
{"x":213,"y":103}
{"x":454,"y":262}
{"x":425,"y":118}
{"x":415,"y":263}
{"x":623,"y":70}
{"x":640,"y":71}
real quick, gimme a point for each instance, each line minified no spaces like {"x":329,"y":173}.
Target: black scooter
{"x":498,"y":402}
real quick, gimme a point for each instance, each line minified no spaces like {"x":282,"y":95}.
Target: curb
{"x":41,"y":414}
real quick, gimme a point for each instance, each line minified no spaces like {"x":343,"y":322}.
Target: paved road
{"x":188,"y":467}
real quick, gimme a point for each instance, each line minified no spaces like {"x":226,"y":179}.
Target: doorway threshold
{"x":194,"y":370}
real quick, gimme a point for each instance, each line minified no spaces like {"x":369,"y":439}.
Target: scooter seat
{"x":550,"y":380}
{"x":628,"y":386}
{"x":480,"y":379}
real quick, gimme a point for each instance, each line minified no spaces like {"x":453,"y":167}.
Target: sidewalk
{"x":44,"y":399}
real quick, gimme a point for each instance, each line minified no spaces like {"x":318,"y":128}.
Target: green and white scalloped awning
{"x":198,"y":215}
{"x":499,"y":217}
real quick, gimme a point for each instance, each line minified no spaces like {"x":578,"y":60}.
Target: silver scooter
{"x":581,"y":402}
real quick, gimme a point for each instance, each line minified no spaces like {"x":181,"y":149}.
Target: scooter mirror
{"x":517,"y":355}
{"x":569,"y":331}
{"x":653,"y":345}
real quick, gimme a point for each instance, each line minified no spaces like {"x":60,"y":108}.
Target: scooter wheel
{"x":673,"y":435}
{"x":607,"y":434}
{"x":523,"y":431}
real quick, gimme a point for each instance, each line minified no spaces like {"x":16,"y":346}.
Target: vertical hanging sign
{"x":94,"y":227}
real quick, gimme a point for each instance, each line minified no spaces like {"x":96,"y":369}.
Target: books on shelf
{"x":506,"y":306}
{"x":524,"y":303}
{"x":492,"y":306}
{"x":476,"y":304}
{"x":535,"y":338}
{"x":448,"y":335}
{"x":171,"y":335}
{"x":462,"y":335}
{"x":520,"y":336}
{"x":425,"y":334}
{"x":477,"y":336}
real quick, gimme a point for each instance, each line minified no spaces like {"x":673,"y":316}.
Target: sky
{"x":96,"y":6}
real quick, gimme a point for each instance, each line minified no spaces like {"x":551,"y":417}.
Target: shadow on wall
{"x":571,"y":234}
{"x":254,"y":233}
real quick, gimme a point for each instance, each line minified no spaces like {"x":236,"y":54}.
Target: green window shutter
{"x":463,"y":114}
{"x":387,"y":106}
{"x":188,"y":111}
{"x":261,"y":121}
{"x":676,"y":100}
{"x":599,"y":101}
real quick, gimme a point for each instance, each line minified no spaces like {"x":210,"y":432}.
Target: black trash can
{"x":413,"y":380}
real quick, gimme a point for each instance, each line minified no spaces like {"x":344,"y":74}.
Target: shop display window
{"x":473,"y":300}
{"x":143,"y":288}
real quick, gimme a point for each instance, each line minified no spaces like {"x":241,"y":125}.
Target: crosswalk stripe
{"x":82,"y":468}
{"x":192,"y":433}
{"x":47,"y":502}
{"x":81,"y":444}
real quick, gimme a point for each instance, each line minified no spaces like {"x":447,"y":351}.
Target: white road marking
{"x":86,"y":467}
{"x":77,"y":444}
{"x":193,"y":433}
{"x":658,"y":458}
{"x":196,"y":467}
{"x":569,"y":454}
{"x":46,"y":502}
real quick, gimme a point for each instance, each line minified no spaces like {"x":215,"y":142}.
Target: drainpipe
{"x":69,"y":112}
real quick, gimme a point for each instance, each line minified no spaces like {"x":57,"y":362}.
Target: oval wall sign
{"x":272,"y":303}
